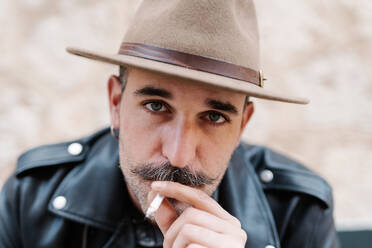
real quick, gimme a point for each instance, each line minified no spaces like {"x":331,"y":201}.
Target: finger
{"x":165,"y":216}
{"x":192,"y":234}
{"x":198,"y":218}
{"x":195,"y":246}
{"x":195,"y":197}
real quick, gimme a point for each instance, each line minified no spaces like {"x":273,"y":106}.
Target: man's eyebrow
{"x":153,"y":91}
{"x":223,"y":106}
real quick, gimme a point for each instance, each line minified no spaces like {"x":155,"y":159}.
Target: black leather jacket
{"x":278,"y":201}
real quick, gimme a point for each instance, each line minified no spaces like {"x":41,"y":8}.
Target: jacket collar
{"x":97,"y":195}
{"x":95,"y":190}
{"x":241,"y":194}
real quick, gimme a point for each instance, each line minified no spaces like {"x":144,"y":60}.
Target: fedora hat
{"x":215,"y":42}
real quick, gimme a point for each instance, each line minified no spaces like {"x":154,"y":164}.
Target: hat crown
{"x":222,"y":29}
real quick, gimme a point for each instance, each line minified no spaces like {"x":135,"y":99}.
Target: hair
{"x":123,"y":77}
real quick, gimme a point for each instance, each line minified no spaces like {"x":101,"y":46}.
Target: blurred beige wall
{"x":319,"y":49}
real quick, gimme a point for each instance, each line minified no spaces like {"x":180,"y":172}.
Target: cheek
{"x":138,"y":138}
{"x":215,"y":158}
{"x":216,"y":150}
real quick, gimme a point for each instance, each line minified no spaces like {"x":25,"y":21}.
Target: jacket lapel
{"x":241,"y":194}
{"x":95,"y":191}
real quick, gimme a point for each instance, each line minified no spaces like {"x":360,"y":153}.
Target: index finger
{"x":195,"y":197}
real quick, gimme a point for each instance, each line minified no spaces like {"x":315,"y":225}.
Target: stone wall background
{"x":319,"y":49}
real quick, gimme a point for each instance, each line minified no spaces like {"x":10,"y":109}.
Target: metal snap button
{"x":266,"y":176}
{"x":269,"y":246}
{"x":59,"y":202}
{"x":75,"y":148}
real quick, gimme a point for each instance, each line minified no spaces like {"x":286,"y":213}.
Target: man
{"x":178,"y":109}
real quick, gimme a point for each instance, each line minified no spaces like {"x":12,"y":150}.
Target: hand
{"x":204,"y":224}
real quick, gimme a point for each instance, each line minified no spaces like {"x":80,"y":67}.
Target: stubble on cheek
{"x":137,"y":187}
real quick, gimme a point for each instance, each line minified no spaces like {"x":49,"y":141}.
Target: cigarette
{"x":154,"y":206}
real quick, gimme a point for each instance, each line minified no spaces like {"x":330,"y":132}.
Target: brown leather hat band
{"x":192,"y":61}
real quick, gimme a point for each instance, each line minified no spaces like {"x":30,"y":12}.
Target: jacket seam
{"x":55,"y":159}
{"x":296,"y":189}
{"x":269,"y":219}
{"x":85,"y":217}
{"x":301,"y":173}
{"x":306,"y":190}
{"x":116,"y":235}
{"x":288,"y":216}
{"x":85,"y":236}
{"x":82,"y":218}
{"x":48,"y":162}
{"x":312,"y":234}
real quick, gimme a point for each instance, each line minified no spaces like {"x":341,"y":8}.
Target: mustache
{"x":167,"y":172}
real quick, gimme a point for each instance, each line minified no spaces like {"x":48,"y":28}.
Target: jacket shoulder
{"x":278,"y":172}
{"x":70,"y":153}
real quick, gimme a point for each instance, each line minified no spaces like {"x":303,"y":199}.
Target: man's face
{"x":174,"y":129}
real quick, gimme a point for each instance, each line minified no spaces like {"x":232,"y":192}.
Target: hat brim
{"x":198,"y":76}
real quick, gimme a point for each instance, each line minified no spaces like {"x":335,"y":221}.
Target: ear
{"x":114,"y":95}
{"x":247,"y":114}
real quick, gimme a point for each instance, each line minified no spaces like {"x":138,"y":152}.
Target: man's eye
{"x":216,"y":118}
{"x":155,"y":106}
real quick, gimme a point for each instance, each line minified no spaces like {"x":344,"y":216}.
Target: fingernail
{"x":158,"y":185}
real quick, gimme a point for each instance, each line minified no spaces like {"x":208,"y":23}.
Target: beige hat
{"x":208,"y":41}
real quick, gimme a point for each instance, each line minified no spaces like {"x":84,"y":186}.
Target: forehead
{"x":138,"y":78}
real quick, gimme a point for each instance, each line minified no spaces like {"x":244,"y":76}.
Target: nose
{"x":180,"y":143}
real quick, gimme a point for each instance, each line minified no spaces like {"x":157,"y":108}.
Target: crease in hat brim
{"x":198,"y":76}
